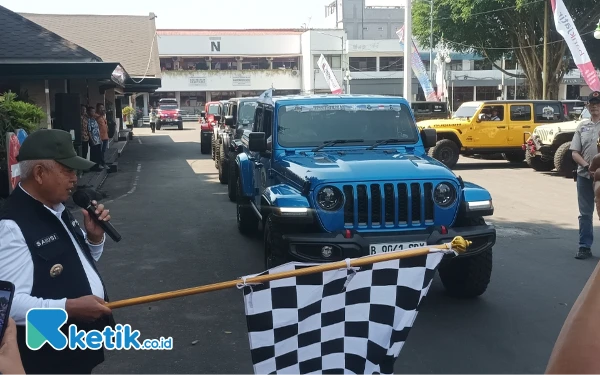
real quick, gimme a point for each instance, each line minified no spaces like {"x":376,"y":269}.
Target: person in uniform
{"x":584,"y":148}
{"x":48,"y":256}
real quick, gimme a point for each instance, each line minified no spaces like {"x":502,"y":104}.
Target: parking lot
{"x":179,"y":230}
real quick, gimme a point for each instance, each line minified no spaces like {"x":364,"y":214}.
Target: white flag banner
{"x":266,"y":97}
{"x":334,"y":86}
{"x":352,"y":320}
{"x":566,"y":27}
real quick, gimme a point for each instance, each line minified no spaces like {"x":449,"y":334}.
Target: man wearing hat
{"x":585,"y":146}
{"x":48,"y":256}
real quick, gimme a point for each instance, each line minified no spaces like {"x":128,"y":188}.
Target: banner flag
{"x":566,"y":27}
{"x":334,"y":86}
{"x":419,"y":68}
{"x":266,"y":96}
{"x":351,"y":320}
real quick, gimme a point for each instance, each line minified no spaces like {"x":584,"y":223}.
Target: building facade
{"x":199,"y":66}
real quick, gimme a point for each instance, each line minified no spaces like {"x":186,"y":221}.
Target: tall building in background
{"x":366,"y":19}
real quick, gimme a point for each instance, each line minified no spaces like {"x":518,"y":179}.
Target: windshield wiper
{"x":336,"y":141}
{"x":386,"y":141}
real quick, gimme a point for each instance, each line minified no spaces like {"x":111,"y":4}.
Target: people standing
{"x":85,"y":134}
{"x":103,"y":128}
{"x":153,"y":119}
{"x":49,"y":258}
{"x":584,"y":148}
{"x":94,"y":139}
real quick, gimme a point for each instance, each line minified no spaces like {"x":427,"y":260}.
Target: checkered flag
{"x":352,"y":320}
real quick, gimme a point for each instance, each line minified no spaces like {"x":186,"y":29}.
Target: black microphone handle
{"x":106,"y":226}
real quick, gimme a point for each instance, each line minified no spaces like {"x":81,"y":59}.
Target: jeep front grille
{"x":543,"y":134}
{"x":388,"y":205}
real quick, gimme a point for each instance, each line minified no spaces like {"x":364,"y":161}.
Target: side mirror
{"x":257,"y":142}
{"x":481,"y":117}
{"x":217,"y":118}
{"x":203,"y":114}
{"x":229,"y":121}
{"x":429,"y":137}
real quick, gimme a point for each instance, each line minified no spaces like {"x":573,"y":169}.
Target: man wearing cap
{"x":584,"y":147}
{"x":46,"y":254}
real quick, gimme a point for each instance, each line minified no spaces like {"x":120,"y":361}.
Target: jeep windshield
{"x":246,"y":113}
{"x":213,"y":109}
{"x":466,"y":111}
{"x":358,"y":124}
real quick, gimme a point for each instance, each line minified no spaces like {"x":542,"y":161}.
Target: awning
{"x":41,"y":70}
{"x":150,"y":85}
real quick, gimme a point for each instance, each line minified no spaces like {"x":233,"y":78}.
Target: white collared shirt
{"x":16,"y":266}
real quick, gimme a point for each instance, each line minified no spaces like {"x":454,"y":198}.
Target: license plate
{"x":169,"y":120}
{"x":383,"y":248}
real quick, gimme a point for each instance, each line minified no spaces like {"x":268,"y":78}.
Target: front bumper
{"x":169,"y":121}
{"x":307,"y":247}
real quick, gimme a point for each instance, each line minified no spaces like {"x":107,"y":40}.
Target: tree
{"x":515,"y":28}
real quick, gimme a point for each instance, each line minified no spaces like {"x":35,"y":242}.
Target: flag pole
{"x":458,"y":244}
{"x":545,"y":67}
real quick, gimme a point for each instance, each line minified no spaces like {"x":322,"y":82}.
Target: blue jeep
{"x":331,"y":177}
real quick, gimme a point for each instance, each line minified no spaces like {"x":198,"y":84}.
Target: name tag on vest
{"x":46,"y":240}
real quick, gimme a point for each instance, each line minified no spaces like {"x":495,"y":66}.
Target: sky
{"x":194,"y":14}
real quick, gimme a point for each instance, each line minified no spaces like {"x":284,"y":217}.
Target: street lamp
{"x":597,"y":32}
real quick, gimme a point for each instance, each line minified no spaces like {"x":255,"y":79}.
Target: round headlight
{"x":329,"y":198}
{"x":444,"y":195}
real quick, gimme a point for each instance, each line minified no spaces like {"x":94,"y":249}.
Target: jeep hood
{"x":373,"y":165}
{"x":437,"y":124}
{"x":560,"y":126}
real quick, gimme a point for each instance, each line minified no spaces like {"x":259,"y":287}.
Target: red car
{"x":208,"y":119}
{"x":168,"y":114}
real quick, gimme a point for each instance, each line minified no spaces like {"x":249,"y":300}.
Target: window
{"x":335,"y":61}
{"x":363,"y":64}
{"x":391,"y":64}
{"x":483,"y":65}
{"x":546,"y":112}
{"x":256,"y":127}
{"x":493,"y":113}
{"x":267,"y":121}
{"x":520,"y":113}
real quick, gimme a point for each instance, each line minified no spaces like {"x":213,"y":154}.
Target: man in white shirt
{"x":46,"y":254}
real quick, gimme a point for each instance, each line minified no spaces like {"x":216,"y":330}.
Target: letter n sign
{"x":215,"y":46}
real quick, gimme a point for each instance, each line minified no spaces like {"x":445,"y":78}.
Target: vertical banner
{"x":566,"y":27}
{"x":334,"y":86}
{"x":12,"y":150}
{"x":419,"y":69}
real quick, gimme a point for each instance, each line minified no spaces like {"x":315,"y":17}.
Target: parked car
{"x":548,"y":147}
{"x":208,"y":119}
{"x":239,"y":116}
{"x":344,"y":176}
{"x":472,"y":130}
{"x":218,"y":129}
{"x":168,"y":114}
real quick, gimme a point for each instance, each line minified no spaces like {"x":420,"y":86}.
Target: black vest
{"x":50,"y":245}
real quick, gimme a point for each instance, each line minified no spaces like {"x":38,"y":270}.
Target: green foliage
{"x":514,"y":28}
{"x":16,"y":114}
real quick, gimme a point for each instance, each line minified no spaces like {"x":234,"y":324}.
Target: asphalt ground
{"x":179,"y":231}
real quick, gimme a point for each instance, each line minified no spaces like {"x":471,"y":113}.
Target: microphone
{"x":83,"y":200}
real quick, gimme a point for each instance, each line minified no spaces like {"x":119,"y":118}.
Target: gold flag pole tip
{"x":459,"y":244}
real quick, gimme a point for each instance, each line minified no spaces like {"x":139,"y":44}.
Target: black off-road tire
{"x":247,"y":221}
{"x":273,"y":244}
{"x":514,"y":157}
{"x":470,"y":276}
{"x":222,"y":165}
{"x":446,"y":151}
{"x":538,"y":164}
{"x":563,"y":160}
{"x":231,"y":182}
{"x":212,"y":147}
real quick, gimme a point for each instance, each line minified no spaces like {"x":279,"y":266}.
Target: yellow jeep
{"x":491,"y":127}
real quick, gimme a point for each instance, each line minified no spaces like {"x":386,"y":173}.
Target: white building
{"x":199,"y":66}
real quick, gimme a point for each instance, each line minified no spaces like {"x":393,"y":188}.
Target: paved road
{"x":179,"y":231}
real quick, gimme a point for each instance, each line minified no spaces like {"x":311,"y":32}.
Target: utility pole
{"x":545,"y":68}
{"x":408,"y":51}
{"x":431,"y":42}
